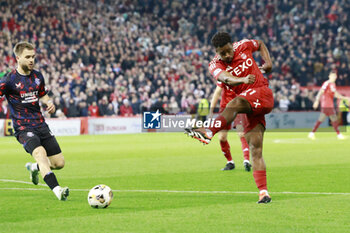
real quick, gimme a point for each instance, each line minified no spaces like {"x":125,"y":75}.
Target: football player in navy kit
{"x":23,"y":87}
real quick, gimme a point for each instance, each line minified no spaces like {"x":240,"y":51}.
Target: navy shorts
{"x":42,"y":136}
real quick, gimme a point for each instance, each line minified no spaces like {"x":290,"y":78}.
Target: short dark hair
{"x":220,"y":39}
{"x":20,"y":46}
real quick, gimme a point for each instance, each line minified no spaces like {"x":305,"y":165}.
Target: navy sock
{"x":50,"y":180}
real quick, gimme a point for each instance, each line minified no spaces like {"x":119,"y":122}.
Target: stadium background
{"x":131,"y":56}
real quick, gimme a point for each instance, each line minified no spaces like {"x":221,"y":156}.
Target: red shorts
{"x":241,"y":119}
{"x":328,"y":111}
{"x":261,"y":101}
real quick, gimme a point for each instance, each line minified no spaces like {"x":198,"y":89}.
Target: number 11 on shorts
{"x":249,"y":91}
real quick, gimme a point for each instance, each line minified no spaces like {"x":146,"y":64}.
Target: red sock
{"x":335,"y":126}
{"x":225,"y":148}
{"x":260,"y":179}
{"x":245,"y":148}
{"x":316,"y":126}
{"x":222,"y":126}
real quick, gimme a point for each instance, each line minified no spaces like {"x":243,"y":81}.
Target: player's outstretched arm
{"x":48,"y":102}
{"x":317,"y":101}
{"x":231,"y":80}
{"x":264,"y":53}
{"x":340,"y":96}
{"x":214,"y":100}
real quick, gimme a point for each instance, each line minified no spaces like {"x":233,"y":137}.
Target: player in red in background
{"x":235,"y":66}
{"x":226,"y":96}
{"x":326,"y":95}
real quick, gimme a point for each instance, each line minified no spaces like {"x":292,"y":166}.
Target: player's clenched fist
{"x":249,"y":79}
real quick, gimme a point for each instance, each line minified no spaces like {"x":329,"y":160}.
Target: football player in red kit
{"x":326,"y":96}
{"x":226,"y":96}
{"x":235,"y":66}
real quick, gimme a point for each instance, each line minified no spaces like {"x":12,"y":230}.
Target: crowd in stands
{"x":106,"y":58}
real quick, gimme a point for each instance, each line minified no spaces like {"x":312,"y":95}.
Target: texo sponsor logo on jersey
{"x":242,"y":67}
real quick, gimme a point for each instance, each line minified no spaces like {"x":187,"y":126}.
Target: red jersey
{"x":242,"y":64}
{"x":94,"y":111}
{"x":227,"y":94}
{"x":328,"y":95}
{"x":126,"y":110}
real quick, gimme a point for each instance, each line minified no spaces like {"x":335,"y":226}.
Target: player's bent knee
{"x":222,"y":135}
{"x":59,"y":164}
{"x":57,"y":161}
{"x":333,"y":118}
{"x":222,"y":138}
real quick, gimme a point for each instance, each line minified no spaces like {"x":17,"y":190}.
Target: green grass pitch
{"x":141,"y":168}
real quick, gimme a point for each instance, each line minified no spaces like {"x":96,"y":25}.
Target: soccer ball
{"x":100,"y":196}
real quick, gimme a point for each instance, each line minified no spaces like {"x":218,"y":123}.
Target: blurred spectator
{"x":305,"y":102}
{"x":91,"y":98}
{"x":293,"y":104}
{"x":103,"y":106}
{"x":125,"y":109}
{"x":146,"y":106}
{"x":93,"y":110}
{"x":135,"y":104}
{"x":83,"y":109}
{"x":202,"y":109}
{"x":110,"y":110}
{"x":115,"y":105}
{"x":59,"y":106}
{"x":158,"y":105}
{"x":344,"y":109}
{"x":72,"y":110}
{"x":173,"y":106}
{"x":284,"y":103}
{"x":59,"y":114}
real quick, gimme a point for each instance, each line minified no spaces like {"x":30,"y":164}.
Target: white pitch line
{"x":291,"y":140}
{"x":169,"y":191}
{"x":19,"y":181}
{"x":29,"y":189}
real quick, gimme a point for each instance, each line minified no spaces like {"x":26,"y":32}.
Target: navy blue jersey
{"x":22,"y":93}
